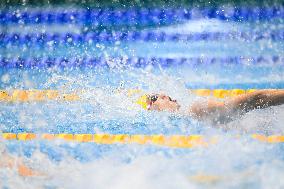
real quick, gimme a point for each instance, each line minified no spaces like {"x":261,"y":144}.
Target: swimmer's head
{"x":158,"y":102}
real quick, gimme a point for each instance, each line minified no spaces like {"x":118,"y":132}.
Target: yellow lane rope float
{"x":44,"y":95}
{"x":36,"y":95}
{"x":176,"y":141}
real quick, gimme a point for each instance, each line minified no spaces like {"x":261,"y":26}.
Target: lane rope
{"x":176,"y":141}
{"x":93,"y":37}
{"x":138,"y":62}
{"x":134,"y":16}
{"x":35,"y":95}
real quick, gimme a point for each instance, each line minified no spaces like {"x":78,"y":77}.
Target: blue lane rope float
{"x":132,"y":61}
{"x":175,"y":141}
{"x":137,"y":16}
{"x":72,"y":38}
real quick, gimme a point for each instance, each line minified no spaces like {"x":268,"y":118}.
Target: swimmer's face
{"x":163,"y":102}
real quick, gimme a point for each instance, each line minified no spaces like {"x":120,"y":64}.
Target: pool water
{"x":236,"y":161}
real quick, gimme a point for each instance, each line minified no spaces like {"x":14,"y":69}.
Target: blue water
{"x":233,"y":162}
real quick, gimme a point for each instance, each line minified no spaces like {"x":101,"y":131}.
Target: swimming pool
{"x":193,"y":53}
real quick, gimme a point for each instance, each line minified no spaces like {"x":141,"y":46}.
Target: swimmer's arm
{"x":242,"y":104}
{"x":256,"y":100}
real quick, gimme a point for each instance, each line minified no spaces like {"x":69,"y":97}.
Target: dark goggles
{"x":153,"y":98}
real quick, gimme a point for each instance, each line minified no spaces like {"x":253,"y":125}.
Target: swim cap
{"x":142,"y":100}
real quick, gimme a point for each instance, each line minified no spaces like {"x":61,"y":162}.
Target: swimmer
{"x":216,"y":111}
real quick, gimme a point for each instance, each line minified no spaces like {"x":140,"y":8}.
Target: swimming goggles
{"x":153,"y":98}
